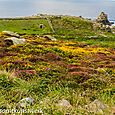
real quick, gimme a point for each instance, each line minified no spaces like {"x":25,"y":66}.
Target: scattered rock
{"x":96,"y":107}
{"x":14,"y":41}
{"x":81,"y":17}
{"x":26,"y":102}
{"x":64,"y":103}
{"x":112,"y":27}
{"x":102,"y":35}
{"x":10,"y":33}
{"x":108,"y":29}
{"x":93,"y":37}
{"x":49,"y":37}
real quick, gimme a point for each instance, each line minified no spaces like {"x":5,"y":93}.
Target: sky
{"x":85,"y":8}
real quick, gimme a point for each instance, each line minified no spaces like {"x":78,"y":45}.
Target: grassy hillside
{"x":78,"y":29}
{"x":74,"y":67}
{"x":65,"y":27}
{"x":24,"y":26}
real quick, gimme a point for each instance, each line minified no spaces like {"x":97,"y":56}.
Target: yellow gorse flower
{"x":85,"y":51}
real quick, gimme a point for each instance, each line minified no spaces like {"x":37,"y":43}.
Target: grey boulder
{"x":25,"y":102}
{"x":49,"y":37}
{"x":64,"y":103}
{"x":14,"y":41}
{"x":10,"y":33}
{"x":96,"y":107}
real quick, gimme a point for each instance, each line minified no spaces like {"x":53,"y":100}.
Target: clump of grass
{"x":47,"y":93}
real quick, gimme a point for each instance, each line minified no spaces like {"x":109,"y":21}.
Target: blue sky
{"x":86,"y":8}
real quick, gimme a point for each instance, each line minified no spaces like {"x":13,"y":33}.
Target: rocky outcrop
{"x":102,"y":23}
{"x":103,"y":19}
